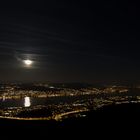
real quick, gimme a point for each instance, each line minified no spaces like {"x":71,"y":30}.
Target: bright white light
{"x":27,"y":102}
{"x":28,"y":62}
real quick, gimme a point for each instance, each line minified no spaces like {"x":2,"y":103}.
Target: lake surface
{"x":31,"y":101}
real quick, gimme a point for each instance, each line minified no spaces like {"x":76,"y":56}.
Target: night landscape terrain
{"x":74,"y":109}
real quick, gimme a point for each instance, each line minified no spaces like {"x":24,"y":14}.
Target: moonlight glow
{"x":28,"y":62}
{"x":27,"y":102}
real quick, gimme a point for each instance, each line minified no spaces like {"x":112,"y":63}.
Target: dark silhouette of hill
{"x":113,"y":119}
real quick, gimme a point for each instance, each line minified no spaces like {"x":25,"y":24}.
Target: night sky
{"x":70,"y":42}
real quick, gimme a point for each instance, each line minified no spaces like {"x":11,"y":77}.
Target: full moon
{"x":28,"y":62}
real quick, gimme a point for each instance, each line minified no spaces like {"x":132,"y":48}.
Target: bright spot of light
{"x":27,"y":102}
{"x":28,"y":62}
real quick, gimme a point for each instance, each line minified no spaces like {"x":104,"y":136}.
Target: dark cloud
{"x":85,"y":42}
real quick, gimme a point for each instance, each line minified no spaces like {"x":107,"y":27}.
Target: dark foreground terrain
{"x":118,"y":120}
